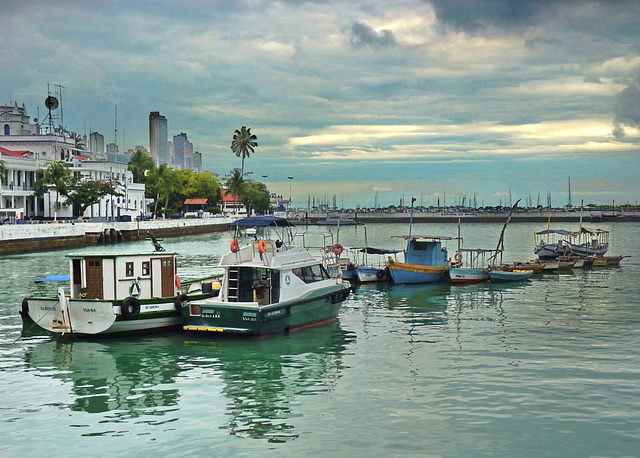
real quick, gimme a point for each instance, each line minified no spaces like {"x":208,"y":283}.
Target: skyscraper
{"x":158,"y":144}
{"x":183,"y":151}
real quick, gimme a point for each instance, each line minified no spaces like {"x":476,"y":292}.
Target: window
{"x":7,"y":129}
{"x":311,"y":274}
{"x":129,"y":269}
{"x":145,"y":268}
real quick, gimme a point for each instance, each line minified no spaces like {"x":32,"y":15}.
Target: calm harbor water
{"x":549,"y":367}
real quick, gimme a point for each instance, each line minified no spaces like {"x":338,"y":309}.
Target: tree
{"x":236,"y":186}
{"x":243,"y":143}
{"x":164,"y":181}
{"x":139,"y":164}
{"x":58,"y":175}
{"x":3,"y":173}
{"x":84,"y":193}
{"x":79,"y":142}
{"x":257,"y":197}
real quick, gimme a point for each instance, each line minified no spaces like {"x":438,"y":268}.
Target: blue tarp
{"x":262,"y":221}
{"x":554,"y":231}
{"x":55,"y":278}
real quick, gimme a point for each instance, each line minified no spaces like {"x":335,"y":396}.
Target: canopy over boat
{"x":555,"y":231}
{"x":434,"y":238}
{"x":262,"y":221}
{"x":371,"y":250}
{"x":54,"y":278}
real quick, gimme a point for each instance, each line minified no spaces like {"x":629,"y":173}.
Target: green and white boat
{"x":112,"y":293}
{"x":269,"y":286}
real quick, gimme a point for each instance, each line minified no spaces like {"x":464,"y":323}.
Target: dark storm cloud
{"x":364,"y":36}
{"x":627,"y":110}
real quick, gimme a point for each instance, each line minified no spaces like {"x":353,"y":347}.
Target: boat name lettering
{"x":46,"y":307}
{"x":249,"y":318}
{"x":274,"y":313}
{"x":152,"y":307}
{"x":92,"y":310}
{"x":211,"y":315}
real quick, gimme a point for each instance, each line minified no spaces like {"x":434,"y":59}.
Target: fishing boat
{"x":372,"y":262}
{"x":425,"y":259}
{"x":269,"y":286}
{"x":510,"y":275}
{"x":499,"y":272}
{"x":551,"y":243}
{"x":111,"y":293}
{"x":469,"y":265}
{"x":589,"y":242}
{"x":374,"y":268}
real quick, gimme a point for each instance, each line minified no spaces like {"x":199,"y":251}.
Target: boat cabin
{"x":117,"y":276}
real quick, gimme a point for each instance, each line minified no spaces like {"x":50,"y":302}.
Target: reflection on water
{"x":261,"y":379}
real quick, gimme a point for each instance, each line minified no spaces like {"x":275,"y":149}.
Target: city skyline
{"x":370,"y":101}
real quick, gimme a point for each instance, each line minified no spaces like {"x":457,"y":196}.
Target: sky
{"x":371,"y":101}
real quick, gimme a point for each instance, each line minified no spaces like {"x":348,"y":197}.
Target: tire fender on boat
{"x":380,"y":274}
{"x":180,"y":299}
{"x":130,"y":308}
{"x":25,"y":305}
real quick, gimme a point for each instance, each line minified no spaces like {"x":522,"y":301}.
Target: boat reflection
{"x":263,"y":378}
{"x":252,"y":385}
{"x":126,"y":378}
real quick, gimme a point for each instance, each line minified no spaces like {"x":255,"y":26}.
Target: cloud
{"x":626,"y":110}
{"x":364,"y":36}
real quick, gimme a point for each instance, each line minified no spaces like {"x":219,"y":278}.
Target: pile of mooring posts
{"x":110,"y":236}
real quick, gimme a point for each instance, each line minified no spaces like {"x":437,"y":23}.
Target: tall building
{"x":158,"y":144}
{"x":183,"y":151}
{"x":96,"y":144}
{"x":197,"y":162}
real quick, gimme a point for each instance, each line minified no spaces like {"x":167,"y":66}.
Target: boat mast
{"x":500,"y":247}
{"x":413,"y":199}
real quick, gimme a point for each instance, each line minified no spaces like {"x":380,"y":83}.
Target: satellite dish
{"x":51,"y":102}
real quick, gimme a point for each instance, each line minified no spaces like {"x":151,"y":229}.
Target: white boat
{"x":335,"y":220}
{"x":114,"y":293}
{"x":373,"y":267}
{"x":469,"y":265}
{"x":269,"y":286}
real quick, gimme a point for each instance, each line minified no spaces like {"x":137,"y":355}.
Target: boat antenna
{"x":413,"y":199}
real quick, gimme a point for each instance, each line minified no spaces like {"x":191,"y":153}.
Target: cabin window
{"x":422,"y":246}
{"x":145,"y":268}
{"x":129,"y":269}
{"x":311,"y":274}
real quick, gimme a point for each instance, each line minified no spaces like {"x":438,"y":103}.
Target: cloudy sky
{"x":389,"y":98}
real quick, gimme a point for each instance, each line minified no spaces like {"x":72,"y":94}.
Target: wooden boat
{"x":536,"y":266}
{"x":551,"y":243}
{"x":112,"y":293}
{"x":269,"y":286}
{"x":601,"y":261}
{"x":469,"y":265}
{"x":425,"y":259}
{"x":510,"y":275}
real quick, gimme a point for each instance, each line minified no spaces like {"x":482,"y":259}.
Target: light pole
{"x":290,"y":180}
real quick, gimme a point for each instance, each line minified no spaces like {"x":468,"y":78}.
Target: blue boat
{"x":425,"y":259}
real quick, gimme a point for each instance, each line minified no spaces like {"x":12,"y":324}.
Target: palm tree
{"x":79,"y":142}
{"x":57,"y":174}
{"x":3,"y":172}
{"x":243,"y":143}
{"x":139,"y":163}
{"x":236,"y":187}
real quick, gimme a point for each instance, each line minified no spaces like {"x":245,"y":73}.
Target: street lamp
{"x":290,"y":180}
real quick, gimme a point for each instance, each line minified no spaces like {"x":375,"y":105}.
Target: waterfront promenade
{"x":32,"y":237}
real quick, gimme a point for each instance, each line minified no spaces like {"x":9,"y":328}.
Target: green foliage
{"x":3,"y":173}
{"x":139,"y":164}
{"x":84,"y":193}
{"x":58,"y":175}
{"x":243,"y":144}
{"x":257,"y":197}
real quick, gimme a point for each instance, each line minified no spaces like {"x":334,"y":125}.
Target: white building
{"x":24,"y":150}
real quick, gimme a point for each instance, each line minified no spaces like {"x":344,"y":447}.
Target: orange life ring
{"x":262,"y":246}
{"x":338,"y":249}
{"x":177,"y":282}
{"x":458,"y":257}
{"x":234,"y":245}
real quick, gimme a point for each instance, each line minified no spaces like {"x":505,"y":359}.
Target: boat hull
{"x":371,"y":274}
{"x":547,"y":251}
{"x":467,"y":275}
{"x":510,"y":275}
{"x":413,"y":273}
{"x":82,"y":317}
{"x":249,"y":319}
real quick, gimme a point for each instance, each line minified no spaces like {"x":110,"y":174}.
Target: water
{"x":550,"y":367}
